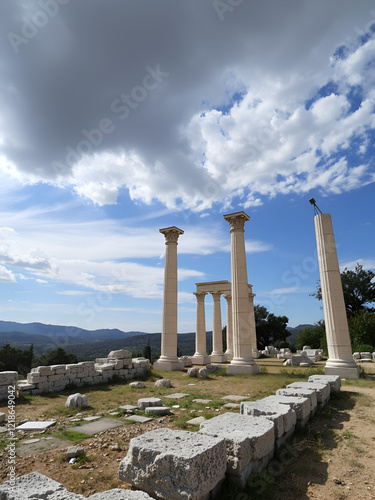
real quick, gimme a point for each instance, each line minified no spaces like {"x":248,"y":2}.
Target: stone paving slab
{"x":203,"y":401}
{"x":196,"y":421}
{"x":138,"y":418}
{"x":3,"y":429}
{"x":91,"y":419}
{"x":34,"y":446}
{"x":128,"y":407}
{"x":177,"y":395}
{"x":35,"y":426}
{"x":232,"y":405}
{"x":233,"y":397}
{"x":158,"y":410}
{"x":104,"y":424}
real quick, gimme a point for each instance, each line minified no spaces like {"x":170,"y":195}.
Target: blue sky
{"x":118,"y":119}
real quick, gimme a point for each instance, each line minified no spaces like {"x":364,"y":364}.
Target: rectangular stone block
{"x":120,"y":354}
{"x":323,"y":389}
{"x":36,"y":378}
{"x":249,"y":441}
{"x":56,"y":378}
{"x":333,"y":380}
{"x":58,"y":369}
{"x":299,"y":392}
{"x":8,"y":378}
{"x":283,"y":417}
{"x":299,"y":404}
{"x":173,"y":464}
{"x":43,"y":370}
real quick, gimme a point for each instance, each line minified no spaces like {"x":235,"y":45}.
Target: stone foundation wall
{"x":57,"y":377}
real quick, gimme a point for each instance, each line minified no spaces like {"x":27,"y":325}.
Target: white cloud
{"x":6,"y":276}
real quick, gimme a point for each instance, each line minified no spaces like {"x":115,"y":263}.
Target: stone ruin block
{"x":323,"y":390}
{"x":333,"y":380}
{"x":297,"y":359}
{"x":8,"y":378}
{"x":58,"y":369}
{"x":283,"y":417}
{"x":249,"y":441}
{"x":299,"y":404}
{"x":120,"y":354}
{"x":37,"y":486}
{"x":42,"y":370}
{"x":146,"y":402}
{"x":310,"y":394}
{"x":172,"y":464}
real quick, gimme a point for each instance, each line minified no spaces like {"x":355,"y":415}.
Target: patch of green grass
{"x":82,"y":459}
{"x":73,"y":436}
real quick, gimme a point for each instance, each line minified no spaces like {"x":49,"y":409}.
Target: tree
{"x":314,"y":336}
{"x":362,"y":331}
{"x":359,"y":290}
{"x":15,"y":359}
{"x":269,"y":328}
{"x":57,"y":357}
{"x":147,"y":351}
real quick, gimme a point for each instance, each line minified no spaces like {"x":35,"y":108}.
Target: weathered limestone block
{"x":333,"y":380}
{"x":323,"y":389}
{"x":119,"y":494}
{"x":186,"y":360}
{"x":137,"y":385}
{"x":56,"y":378}
{"x":36,"y":378}
{"x":2,"y":417}
{"x":23,"y":385}
{"x":146,"y":402}
{"x":296,"y":360}
{"x":141,"y":363}
{"x":249,"y":441}
{"x":164,"y":382}
{"x":74,"y":451}
{"x":298,"y":392}
{"x":76,"y":401}
{"x":8,"y":378}
{"x":58,"y":369}
{"x":300,"y":405}
{"x":172,"y":464}
{"x":213,"y":368}
{"x":202,"y":373}
{"x":283,"y":417}
{"x":120,"y":354}
{"x":192,"y":372}
{"x":157,"y":410}
{"x":35,"y":486}
{"x":42,"y":370}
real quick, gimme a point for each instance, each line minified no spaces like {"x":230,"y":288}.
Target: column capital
{"x":237,"y":220}
{"x":216,"y":295}
{"x":200,"y":296}
{"x":171,"y":234}
{"x":228,"y":297}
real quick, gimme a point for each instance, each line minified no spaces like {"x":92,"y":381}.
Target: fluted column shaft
{"x":217,"y":338}
{"x":340,"y":360}
{"x":200,"y":336}
{"x":229,"y":351}
{"x":168,"y":359}
{"x":253,"y":335}
{"x":242,"y":348}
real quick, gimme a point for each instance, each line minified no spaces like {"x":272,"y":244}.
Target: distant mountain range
{"x":294,"y":332}
{"x":23,"y":334}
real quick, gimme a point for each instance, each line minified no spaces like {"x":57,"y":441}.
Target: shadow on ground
{"x":300,"y":461}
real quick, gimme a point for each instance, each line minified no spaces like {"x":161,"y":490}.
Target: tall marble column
{"x":340,"y":360}
{"x":217,"y":355}
{"x":253,"y":335}
{"x":229,"y":352}
{"x":243,"y":361}
{"x":168,"y":359}
{"x":200,"y":357}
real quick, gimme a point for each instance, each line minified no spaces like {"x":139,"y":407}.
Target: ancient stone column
{"x":229,"y":352}
{"x":168,"y":359}
{"x":253,"y":335}
{"x":243,"y":361}
{"x":200,"y":357}
{"x":217,"y":355}
{"x":340,"y":360}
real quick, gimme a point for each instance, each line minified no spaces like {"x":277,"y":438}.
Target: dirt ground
{"x":332,"y":458}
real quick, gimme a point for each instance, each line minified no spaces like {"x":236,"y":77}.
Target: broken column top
{"x":236,"y":215}
{"x":171,"y":229}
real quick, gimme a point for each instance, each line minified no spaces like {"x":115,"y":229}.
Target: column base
{"x":228,"y":355}
{"x":240,"y":369}
{"x":169,"y":365}
{"x":217,"y":358}
{"x":201,"y":359}
{"x":350,"y":372}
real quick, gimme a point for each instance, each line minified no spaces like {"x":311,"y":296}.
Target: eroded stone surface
{"x":299,"y":404}
{"x":146,"y":402}
{"x":323,"y":389}
{"x":76,"y":401}
{"x":333,"y":380}
{"x":173,"y":464}
{"x":298,"y":392}
{"x":164,"y":382}
{"x":158,"y":410}
{"x":250,"y":442}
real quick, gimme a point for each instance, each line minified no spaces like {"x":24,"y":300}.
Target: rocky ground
{"x":333,"y":458}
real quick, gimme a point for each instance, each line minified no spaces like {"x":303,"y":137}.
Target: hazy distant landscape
{"x":91,"y":344}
